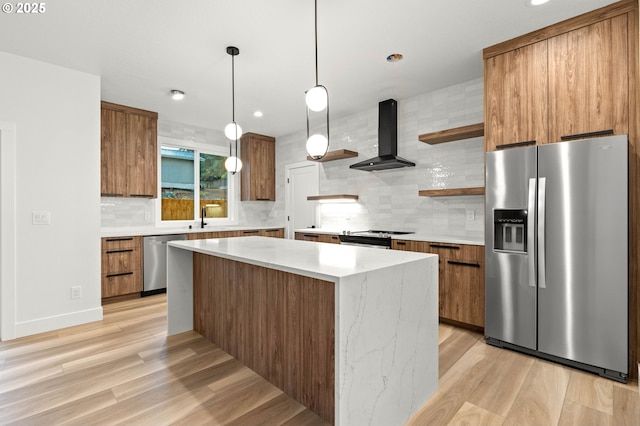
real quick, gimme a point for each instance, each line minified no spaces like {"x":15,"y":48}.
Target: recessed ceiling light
{"x":177,"y":95}
{"x":394,"y":57}
{"x":536,"y":2}
{"x":257,"y":114}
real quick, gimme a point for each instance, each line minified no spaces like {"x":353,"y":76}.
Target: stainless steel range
{"x":370,"y":238}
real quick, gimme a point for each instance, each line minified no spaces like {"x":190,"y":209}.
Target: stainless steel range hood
{"x":387,"y":141}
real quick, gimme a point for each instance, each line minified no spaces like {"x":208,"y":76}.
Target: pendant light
{"x":317,"y":100}
{"x":232,"y":130}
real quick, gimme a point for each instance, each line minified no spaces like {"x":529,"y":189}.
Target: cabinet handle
{"x":263,"y":199}
{"x":111,"y":195}
{"x":141,"y":195}
{"x":444,"y":247}
{"x":250,"y":232}
{"x":119,"y":275}
{"x":119,"y":239}
{"x":454,"y":262}
{"x":333,"y":237}
{"x":587,"y":135}
{"x":272,"y":230}
{"x":310,"y":235}
{"x":400,"y":243}
{"x":513,"y":145}
{"x":119,"y":251}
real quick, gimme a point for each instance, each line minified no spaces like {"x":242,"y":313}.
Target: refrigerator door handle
{"x":542,"y":192}
{"x":531,"y":232}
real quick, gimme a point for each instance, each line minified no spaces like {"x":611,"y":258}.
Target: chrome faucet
{"x":203,"y":215}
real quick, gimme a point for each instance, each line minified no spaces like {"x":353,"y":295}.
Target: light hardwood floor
{"x":124,"y":370}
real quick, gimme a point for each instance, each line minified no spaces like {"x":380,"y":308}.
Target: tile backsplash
{"x":387,"y":199}
{"x":134,"y":212}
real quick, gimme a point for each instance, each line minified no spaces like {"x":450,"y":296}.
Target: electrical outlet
{"x":40,"y":218}
{"x":147,"y":216}
{"x":76,"y":292}
{"x":471,"y":215}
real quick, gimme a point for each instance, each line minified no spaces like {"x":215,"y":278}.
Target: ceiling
{"x":144,"y":48}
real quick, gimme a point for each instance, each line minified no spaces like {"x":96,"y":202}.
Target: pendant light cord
{"x":316,"y":35}
{"x":233,"y":89}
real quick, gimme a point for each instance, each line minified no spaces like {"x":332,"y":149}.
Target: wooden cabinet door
{"x":258,"y":154}
{"x":516,"y":97}
{"x":113,"y":171}
{"x":462,"y":291}
{"x":142,"y":156}
{"x":274,"y":233}
{"x":588,"y":78}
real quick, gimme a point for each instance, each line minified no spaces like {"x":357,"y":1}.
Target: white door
{"x":302,"y":180}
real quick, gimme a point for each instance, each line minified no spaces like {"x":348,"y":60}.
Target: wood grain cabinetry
{"x":272,"y":232}
{"x":318,"y":237}
{"x":588,"y":80}
{"x":279,"y":324}
{"x":121,"y":266}
{"x":128,"y":152}
{"x":516,"y":97}
{"x":573,"y":84}
{"x":461,"y":279}
{"x":258,"y":155}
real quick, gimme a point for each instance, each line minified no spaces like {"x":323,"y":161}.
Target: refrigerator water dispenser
{"x":510,"y":231}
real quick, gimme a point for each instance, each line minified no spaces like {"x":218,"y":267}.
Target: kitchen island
{"x":349,"y":332}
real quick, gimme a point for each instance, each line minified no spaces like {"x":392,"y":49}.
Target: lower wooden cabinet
{"x":461,"y":279}
{"x":317,"y":237}
{"x":275,"y":232}
{"x":272,"y":232}
{"x":121,"y":266}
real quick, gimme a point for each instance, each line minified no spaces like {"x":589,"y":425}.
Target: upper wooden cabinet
{"x":563,"y":82}
{"x":588,"y":80}
{"x":258,"y":174}
{"x":128,"y":152}
{"x":516,"y":97}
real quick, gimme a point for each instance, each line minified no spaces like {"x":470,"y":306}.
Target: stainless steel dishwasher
{"x":155,"y":263}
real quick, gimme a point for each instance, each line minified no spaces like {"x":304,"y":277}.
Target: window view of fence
{"x":183,"y":183}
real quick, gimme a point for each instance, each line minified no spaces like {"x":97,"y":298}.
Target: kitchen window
{"x":193,"y":180}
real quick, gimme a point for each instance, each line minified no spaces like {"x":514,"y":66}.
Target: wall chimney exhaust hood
{"x":387,"y":141}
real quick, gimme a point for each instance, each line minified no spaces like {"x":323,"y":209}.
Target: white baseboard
{"x":57,"y":322}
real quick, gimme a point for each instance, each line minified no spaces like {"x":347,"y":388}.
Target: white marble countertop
{"x":318,"y":260}
{"x":152,"y":230}
{"x":409,"y":237}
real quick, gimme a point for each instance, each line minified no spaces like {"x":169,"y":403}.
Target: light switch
{"x":471,"y":215}
{"x":41,"y":218}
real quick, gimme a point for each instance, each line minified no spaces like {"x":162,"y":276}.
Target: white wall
{"x":389,"y":199}
{"x":56,"y":112}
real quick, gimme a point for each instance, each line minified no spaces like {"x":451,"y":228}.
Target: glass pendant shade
{"x":233,"y":131}
{"x":317,"y":146}
{"x":317,"y":98}
{"x":233,"y":164}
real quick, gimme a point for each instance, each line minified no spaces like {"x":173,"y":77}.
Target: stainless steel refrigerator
{"x":557,"y":252}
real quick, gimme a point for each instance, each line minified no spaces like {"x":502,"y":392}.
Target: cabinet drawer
{"x":120,"y":260}
{"x":119,"y":243}
{"x":118,"y":284}
{"x":275,"y":233}
{"x":457,"y":251}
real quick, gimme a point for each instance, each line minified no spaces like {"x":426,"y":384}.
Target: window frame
{"x":233,"y":191}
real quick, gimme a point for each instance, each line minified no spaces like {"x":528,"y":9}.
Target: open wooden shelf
{"x":332,"y":197}
{"x":338,"y":154}
{"x":451,"y":135}
{"x":479,"y":190}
